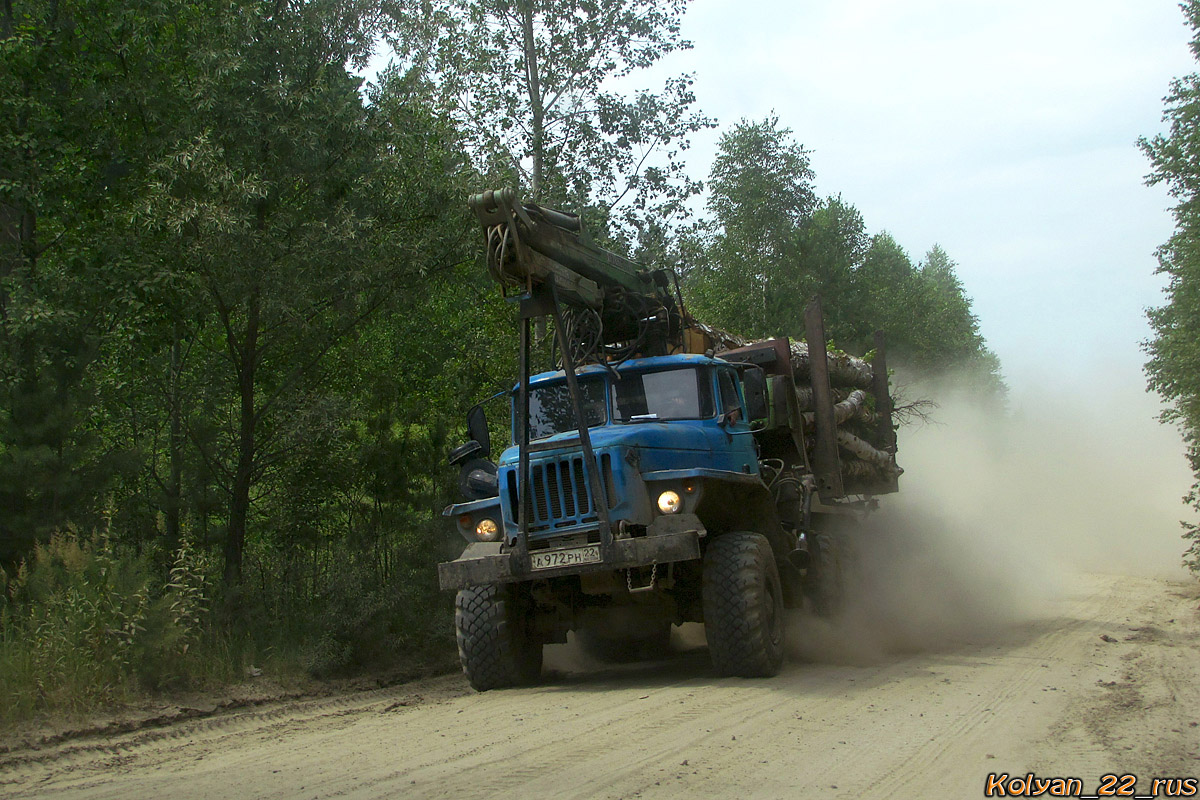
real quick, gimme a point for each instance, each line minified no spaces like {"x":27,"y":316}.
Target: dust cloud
{"x":996,"y":516}
{"x":998,"y":513}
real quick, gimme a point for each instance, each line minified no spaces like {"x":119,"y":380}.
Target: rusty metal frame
{"x":826,"y":463}
{"x":542,"y":301}
{"x":883,"y":407}
{"x":590,"y":464}
{"x":883,"y":398}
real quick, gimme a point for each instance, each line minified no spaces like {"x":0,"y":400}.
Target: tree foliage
{"x":760,"y":195}
{"x":274,"y":210}
{"x":769,"y":246}
{"x":1174,"y":349}
{"x":210,"y":242}
{"x":534,"y":87}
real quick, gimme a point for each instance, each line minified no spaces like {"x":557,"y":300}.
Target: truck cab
{"x":654,"y":424}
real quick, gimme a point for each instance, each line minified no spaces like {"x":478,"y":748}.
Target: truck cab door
{"x":733,"y":445}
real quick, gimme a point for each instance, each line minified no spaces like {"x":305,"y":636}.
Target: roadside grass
{"x":86,"y":624}
{"x":89,"y":626}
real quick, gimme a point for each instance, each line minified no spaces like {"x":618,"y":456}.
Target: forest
{"x":1174,"y":348}
{"x":243,"y":309}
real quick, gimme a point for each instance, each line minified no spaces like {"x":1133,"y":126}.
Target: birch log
{"x":844,"y":369}
{"x":865,"y":452}
{"x":853,"y":407}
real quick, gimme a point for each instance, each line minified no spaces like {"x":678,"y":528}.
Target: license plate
{"x":549,"y":559}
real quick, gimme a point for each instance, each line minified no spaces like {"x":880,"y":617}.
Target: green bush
{"x":84,"y":624}
{"x":361,"y":621}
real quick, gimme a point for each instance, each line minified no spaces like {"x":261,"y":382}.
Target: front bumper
{"x":483,"y":563}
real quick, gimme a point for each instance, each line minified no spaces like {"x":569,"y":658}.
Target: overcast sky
{"x":1004,"y":132}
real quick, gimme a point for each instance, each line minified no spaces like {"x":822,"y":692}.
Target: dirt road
{"x":1048,"y":696}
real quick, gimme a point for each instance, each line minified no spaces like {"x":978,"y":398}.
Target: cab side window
{"x":729,"y":394}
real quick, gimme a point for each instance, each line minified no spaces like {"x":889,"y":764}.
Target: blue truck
{"x":665,"y":473}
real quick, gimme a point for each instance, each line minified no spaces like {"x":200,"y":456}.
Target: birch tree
{"x":537,"y":89}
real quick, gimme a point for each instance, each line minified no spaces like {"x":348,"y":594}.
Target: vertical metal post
{"x":590,"y":464}
{"x":826,"y":464}
{"x":883,"y":398}
{"x":883,"y":405}
{"x":522,"y":548}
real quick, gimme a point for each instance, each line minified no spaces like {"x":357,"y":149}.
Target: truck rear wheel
{"x":743,"y":606}
{"x":495,"y":645}
{"x":828,"y":571}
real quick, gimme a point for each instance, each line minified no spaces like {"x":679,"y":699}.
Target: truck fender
{"x":744,"y":506}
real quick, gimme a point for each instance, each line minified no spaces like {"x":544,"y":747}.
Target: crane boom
{"x":615,"y":307}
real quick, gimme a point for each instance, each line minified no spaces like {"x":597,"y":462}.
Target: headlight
{"x":487,"y":531}
{"x":668,"y":502}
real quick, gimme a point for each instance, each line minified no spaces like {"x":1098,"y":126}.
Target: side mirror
{"x":478,"y":430}
{"x":754,"y":385}
{"x":477,"y":479}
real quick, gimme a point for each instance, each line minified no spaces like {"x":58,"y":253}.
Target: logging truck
{"x":664,"y":472}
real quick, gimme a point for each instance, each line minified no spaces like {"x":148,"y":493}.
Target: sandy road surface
{"x":1048,"y":696}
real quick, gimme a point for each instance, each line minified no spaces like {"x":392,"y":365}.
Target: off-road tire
{"x":828,"y":589}
{"x":743,"y":606}
{"x":495,"y":644}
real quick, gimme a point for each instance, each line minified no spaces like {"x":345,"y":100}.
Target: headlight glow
{"x":668,"y":502}
{"x":487,"y":530}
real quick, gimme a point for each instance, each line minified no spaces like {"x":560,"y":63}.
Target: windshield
{"x":550,"y":410}
{"x":671,"y":394}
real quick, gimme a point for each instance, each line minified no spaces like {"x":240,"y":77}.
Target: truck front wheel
{"x":495,"y":645}
{"x":743,"y":606}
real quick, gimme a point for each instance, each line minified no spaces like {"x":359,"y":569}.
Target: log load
{"x":865,"y":460}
